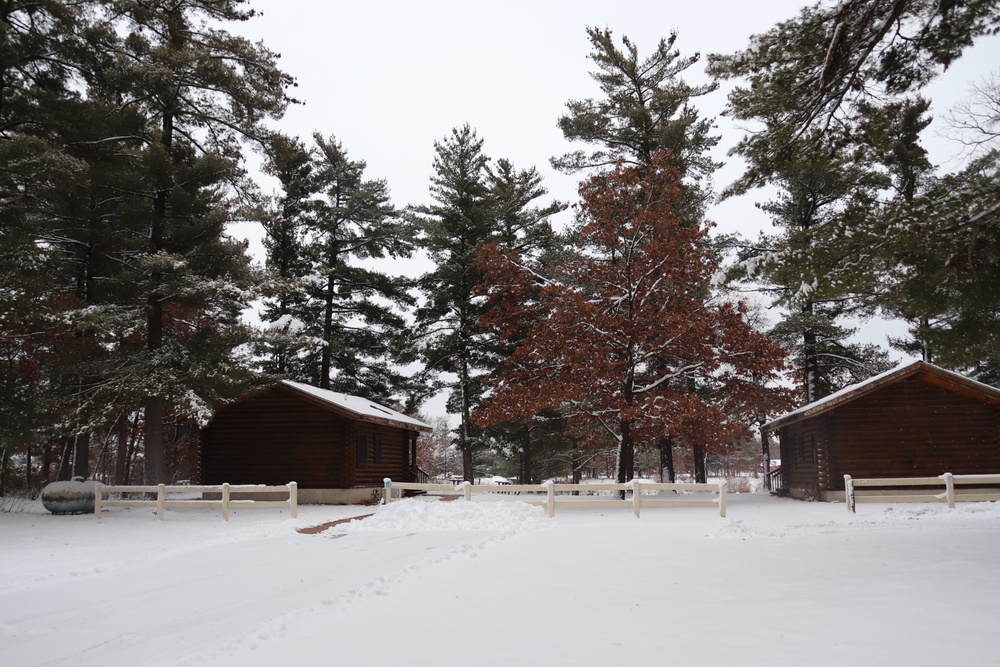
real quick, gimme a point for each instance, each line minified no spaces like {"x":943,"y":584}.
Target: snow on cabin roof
{"x":854,"y":391}
{"x":361,"y":407}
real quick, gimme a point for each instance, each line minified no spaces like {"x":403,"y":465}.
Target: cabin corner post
{"x":849,"y":494}
{"x":765,"y":445}
{"x":412,"y":472}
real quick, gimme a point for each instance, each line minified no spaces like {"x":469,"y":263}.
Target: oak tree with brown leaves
{"x":627,"y":336}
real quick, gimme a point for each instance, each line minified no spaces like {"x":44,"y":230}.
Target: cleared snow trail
{"x":155,"y":600}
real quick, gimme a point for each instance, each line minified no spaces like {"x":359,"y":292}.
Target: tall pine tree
{"x":340,"y":316}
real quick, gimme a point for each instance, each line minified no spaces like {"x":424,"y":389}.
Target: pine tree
{"x":818,"y":264}
{"x":452,"y":231}
{"x":475,"y":203}
{"x":647,"y":107}
{"x":285,"y":340}
{"x":47,"y":53}
{"x":833,"y":88}
{"x":334,"y":223}
{"x":808,"y":73}
{"x":202,"y":92}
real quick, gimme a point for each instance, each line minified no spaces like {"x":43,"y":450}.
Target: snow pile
{"x":420,"y":515}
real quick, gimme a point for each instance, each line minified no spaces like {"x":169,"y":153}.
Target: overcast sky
{"x":388,"y":78}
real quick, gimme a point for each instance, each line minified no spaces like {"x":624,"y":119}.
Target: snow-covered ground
{"x":777,"y":582}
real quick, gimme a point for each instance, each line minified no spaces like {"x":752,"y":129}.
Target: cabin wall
{"x":912,"y":428}
{"x":275,"y":438}
{"x":800,"y":459}
{"x":279,"y":437}
{"x":386,"y":454}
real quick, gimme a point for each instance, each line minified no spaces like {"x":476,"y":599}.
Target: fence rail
{"x":225,"y":502}
{"x":901,"y":489}
{"x":636,"y":487}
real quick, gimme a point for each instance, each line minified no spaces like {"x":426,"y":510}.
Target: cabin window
{"x":362,"y":449}
{"x":377,"y":446}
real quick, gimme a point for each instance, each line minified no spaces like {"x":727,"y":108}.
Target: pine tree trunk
{"x":700,"y":472}
{"x":810,"y":358}
{"x":526,"y":458}
{"x":27,"y":470}
{"x":65,"y":461}
{"x":153,"y":459}
{"x":81,"y":456}
{"x":667,"y":473}
{"x":325,"y":361}
{"x":465,"y":441}
{"x":577,"y":467}
{"x":121,"y":453}
{"x":154,"y":406}
{"x":3,"y":473}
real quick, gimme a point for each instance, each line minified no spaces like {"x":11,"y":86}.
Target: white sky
{"x":388,"y":78}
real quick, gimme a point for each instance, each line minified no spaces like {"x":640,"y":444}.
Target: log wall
{"x":279,"y":436}
{"x":911,"y":428}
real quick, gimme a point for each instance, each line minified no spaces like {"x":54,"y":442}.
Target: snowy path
{"x":424,"y":583}
{"x":168,"y":599}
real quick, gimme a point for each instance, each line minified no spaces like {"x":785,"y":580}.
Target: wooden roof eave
{"x":349,"y":414}
{"x":931,"y":374}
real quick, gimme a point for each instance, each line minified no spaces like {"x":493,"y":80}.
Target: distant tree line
{"x":621,"y":338}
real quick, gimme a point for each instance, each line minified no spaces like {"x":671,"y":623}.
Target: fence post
{"x":225,"y":501}
{"x":723,"y":490}
{"x":161,"y":495}
{"x":293,"y":498}
{"x":636,"y":496}
{"x":949,"y":487}
{"x":467,"y":490}
{"x":386,"y":491}
{"x":849,"y":493}
{"x":550,"y":501}
{"x":98,"y":490}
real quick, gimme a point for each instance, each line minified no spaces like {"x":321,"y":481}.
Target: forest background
{"x":114,"y":352}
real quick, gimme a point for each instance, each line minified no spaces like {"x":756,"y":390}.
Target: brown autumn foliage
{"x":627,"y":336}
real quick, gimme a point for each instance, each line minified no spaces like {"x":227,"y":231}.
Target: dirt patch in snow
{"x":312,"y":530}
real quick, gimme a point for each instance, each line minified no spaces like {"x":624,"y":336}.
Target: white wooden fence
{"x":225,"y":502}
{"x":902,"y":489}
{"x":551,"y":502}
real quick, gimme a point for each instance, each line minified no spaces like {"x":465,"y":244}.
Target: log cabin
{"x":917,"y":420}
{"x":338,"y":448}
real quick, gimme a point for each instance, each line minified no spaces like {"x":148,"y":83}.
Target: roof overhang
{"x":357,"y":407}
{"x":928,"y":372}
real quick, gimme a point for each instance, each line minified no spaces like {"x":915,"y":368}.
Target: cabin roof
{"x":358,"y":407}
{"x":928,"y":372}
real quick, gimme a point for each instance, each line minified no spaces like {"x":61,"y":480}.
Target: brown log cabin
{"x":338,"y":448}
{"x":917,"y":420}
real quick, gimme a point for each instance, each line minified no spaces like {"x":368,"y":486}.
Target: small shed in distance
{"x":338,"y":448}
{"x":914,"y":421}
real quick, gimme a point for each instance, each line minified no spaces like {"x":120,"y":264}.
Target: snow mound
{"x":418,"y":515}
